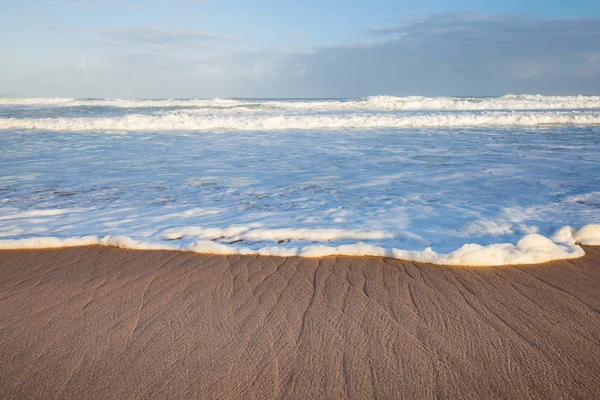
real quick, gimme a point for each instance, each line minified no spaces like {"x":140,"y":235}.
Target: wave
{"x":531,"y":249}
{"x":373,"y":103}
{"x":391,"y":103}
{"x":187,"y":122}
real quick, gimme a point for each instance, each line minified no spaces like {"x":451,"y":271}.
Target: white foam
{"x":588,"y":235}
{"x":179,"y":121}
{"x":487,"y":227}
{"x":389,"y":103}
{"x":250,"y":234}
{"x":531,"y":249}
{"x":119,"y":103}
{"x":383,"y":103}
{"x":39,"y":213}
{"x":231,"y":233}
{"x":48,"y":242}
{"x":36,"y":101}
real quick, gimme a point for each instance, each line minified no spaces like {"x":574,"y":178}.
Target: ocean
{"x":467,"y":181}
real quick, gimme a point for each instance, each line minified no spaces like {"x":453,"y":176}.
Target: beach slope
{"x":101,"y":322}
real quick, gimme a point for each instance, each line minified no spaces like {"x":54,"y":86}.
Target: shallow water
{"x":389,"y":187}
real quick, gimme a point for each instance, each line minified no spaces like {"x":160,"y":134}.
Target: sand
{"x":107,"y":323}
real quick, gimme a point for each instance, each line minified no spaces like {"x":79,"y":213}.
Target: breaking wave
{"x":181,"y":121}
{"x":373,"y":103}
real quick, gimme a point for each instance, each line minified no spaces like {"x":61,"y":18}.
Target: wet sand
{"x":107,"y":323}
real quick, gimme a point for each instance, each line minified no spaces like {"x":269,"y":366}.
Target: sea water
{"x":476,"y":181}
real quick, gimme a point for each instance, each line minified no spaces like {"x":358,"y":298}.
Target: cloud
{"x":471,"y":24}
{"x":163,"y":37}
{"x":153,"y":75}
{"x":145,"y":38}
{"x":441,"y":55}
{"x":456,"y":54}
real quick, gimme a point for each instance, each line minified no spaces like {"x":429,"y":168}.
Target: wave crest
{"x":188,"y":122}
{"x":374,"y":103}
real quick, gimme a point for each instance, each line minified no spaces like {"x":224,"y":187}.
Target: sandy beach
{"x":300,"y":200}
{"x":101,"y":322}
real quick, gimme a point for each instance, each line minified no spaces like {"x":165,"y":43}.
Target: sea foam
{"x":382,"y":103}
{"x":531,"y":249}
{"x":181,"y":121}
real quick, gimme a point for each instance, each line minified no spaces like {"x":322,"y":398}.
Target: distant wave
{"x":180,"y":121}
{"x":375,"y":103}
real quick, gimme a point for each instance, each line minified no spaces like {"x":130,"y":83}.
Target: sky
{"x":298,"y":48}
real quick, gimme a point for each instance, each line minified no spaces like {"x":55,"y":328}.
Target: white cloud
{"x":450,"y":54}
{"x":163,"y":37}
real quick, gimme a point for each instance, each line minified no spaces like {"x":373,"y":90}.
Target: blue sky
{"x":310,"y":48}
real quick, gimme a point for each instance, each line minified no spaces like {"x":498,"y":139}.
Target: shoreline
{"x":152,"y":247}
{"x":104,"y":322}
{"x":531,"y":249}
